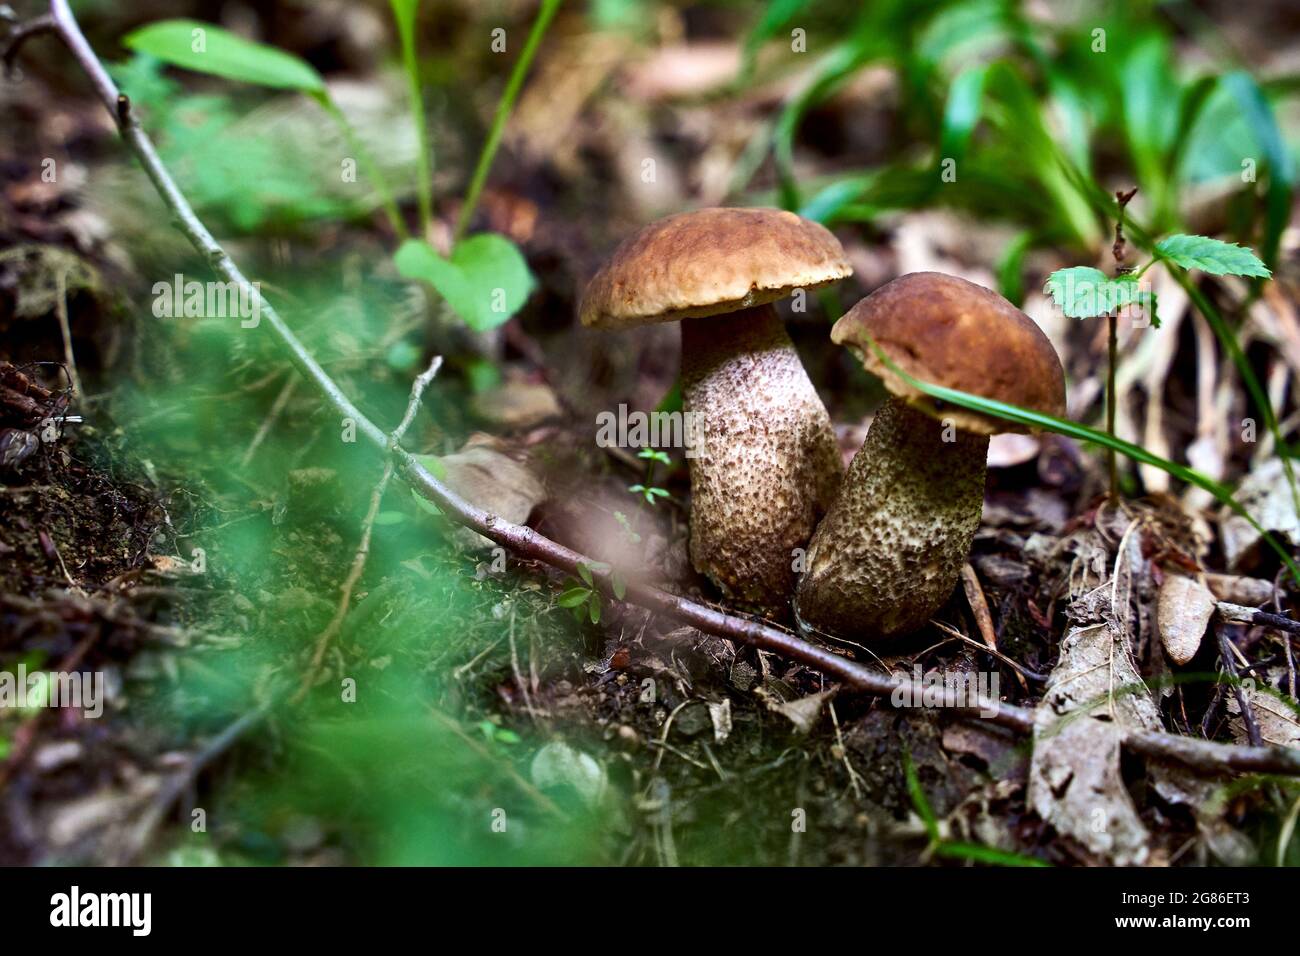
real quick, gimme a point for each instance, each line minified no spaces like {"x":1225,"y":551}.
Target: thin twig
{"x":22,"y":32}
{"x":65,"y":330}
{"x":1200,"y":754}
{"x":367,"y":527}
{"x":1251,"y":615}
{"x":1243,"y":702}
{"x":1120,"y":251}
{"x":277,"y":406}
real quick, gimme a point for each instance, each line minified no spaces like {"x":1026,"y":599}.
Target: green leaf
{"x":651,"y":454}
{"x":404,"y":13}
{"x":593,"y":608}
{"x":1083,"y":292}
{"x":962,"y":112}
{"x":206,"y":48}
{"x":424,"y":504}
{"x":1281,"y":167}
{"x":619,"y":585}
{"x":1211,"y":255}
{"x":775,"y":18}
{"x":574,"y":597}
{"x":386,"y":518}
{"x":433,"y":464}
{"x":584,"y":572}
{"x":485,"y":281}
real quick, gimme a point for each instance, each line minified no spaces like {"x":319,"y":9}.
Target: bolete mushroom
{"x":890,"y":550}
{"x":768,"y":466}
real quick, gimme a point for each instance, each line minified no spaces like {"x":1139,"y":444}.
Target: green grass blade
{"x":504,"y":108}
{"x":404,"y":12}
{"x":366,"y":162}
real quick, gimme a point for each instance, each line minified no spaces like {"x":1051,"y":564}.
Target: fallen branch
{"x":1200,"y":754}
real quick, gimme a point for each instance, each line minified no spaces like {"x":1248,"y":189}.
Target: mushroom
{"x":889,"y":552}
{"x":768,"y":466}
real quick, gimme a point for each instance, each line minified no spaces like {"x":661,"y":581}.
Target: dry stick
{"x":1119,"y":250}
{"x":1200,"y":754}
{"x":367,"y":527}
{"x":1229,"y":665}
{"x":1253,"y":615}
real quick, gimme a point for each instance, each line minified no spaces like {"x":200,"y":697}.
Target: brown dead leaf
{"x":1184,"y":610}
{"x":1278,"y":722}
{"x":1267,"y":496}
{"x":493,"y":481}
{"x":1074,"y":775}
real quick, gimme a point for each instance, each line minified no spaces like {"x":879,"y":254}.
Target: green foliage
{"x":647,"y":489}
{"x":1211,"y":255}
{"x":953,"y":849}
{"x":206,"y":48}
{"x":584,"y":599}
{"x":404,"y":13}
{"x":504,"y":108}
{"x":650,"y":493}
{"x":258,"y":186}
{"x":1083,"y":292}
{"x":485,"y":281}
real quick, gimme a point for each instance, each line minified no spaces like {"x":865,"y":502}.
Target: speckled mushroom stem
{"x":768,"y":467}
{"x":889,"y":553}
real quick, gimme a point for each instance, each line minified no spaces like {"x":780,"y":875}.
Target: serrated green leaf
{"x":1083,"y":292}
{"x":1211,"y":255}
{"x":207,"y":48}
{"x":574,"y":597}
{"x":485,"y":281}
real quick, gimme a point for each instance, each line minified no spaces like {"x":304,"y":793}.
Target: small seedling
{"x":583,"y":599}
{"x":647,"y":489}
{"x":1083,"y":292}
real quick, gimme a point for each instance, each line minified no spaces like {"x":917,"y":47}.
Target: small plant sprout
{"x":583,"y":598}
{"x":1082,"y":292}
{"x":647,"y":489}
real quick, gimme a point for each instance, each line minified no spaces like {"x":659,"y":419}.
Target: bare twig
{"x":19,"y":34}
{"x":1120,"y":251}
{"x":1229,"y":665}
{"x":1201,"y":754}
{"x":367,"y":527}
{"x":1251,"y":615}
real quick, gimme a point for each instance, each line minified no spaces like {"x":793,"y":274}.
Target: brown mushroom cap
{"x":709,"y":262}
{"x":945,"y":330}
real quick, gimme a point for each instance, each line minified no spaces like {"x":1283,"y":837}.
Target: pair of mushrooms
{"x":889,"y":539}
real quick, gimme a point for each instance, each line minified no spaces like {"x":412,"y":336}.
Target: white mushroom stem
{"x":768,"y":466}
{"x":890,"y":551}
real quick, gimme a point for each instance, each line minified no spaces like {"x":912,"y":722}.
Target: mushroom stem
{"x":768,"y":466}
{"x":889,"y":553}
